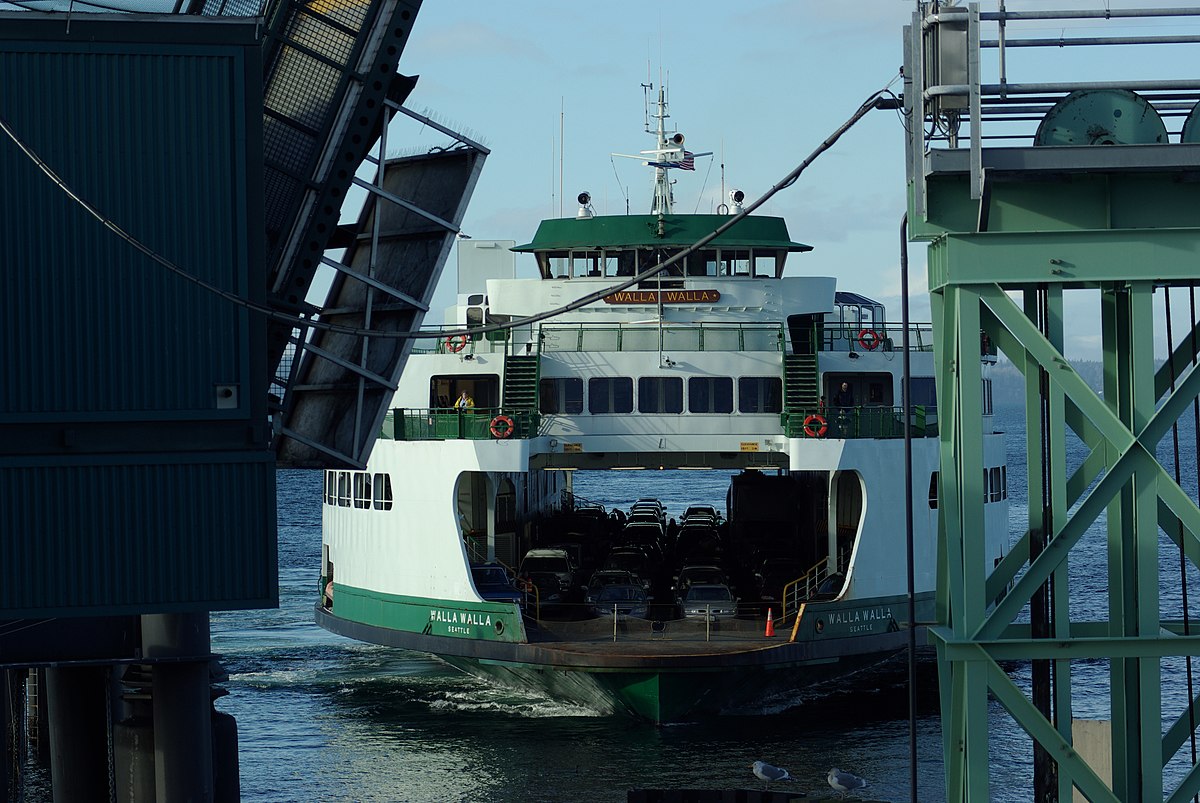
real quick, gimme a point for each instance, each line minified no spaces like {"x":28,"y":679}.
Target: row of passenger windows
{"x":358,"y":489}
{"x":661,"y":394}
{"x":995,"y":485}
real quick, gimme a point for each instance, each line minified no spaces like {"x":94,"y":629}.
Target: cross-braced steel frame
{"x":1013,"y":233}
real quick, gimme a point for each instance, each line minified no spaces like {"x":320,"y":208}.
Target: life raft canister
{"x":456,"y":343}
{"x":869,"y":339}
{"x":815,"y":426}
{"x":502,"y":426}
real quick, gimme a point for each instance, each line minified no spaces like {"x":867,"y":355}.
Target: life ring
{"x":869,"y":339}
{"x":502,"y":426}
{"x":815,"y":426}
{"x":456,"y":343}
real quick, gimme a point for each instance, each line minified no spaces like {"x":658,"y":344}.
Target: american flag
{"x":689,"y":161}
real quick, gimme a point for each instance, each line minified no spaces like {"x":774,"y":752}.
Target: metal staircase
{"x":801,"y":387}
{"x":520,"y":383}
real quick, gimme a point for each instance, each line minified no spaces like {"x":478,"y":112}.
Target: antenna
{"x":646,"y":90}
{"x":562,"y":146}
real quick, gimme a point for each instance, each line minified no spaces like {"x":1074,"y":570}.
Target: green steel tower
{"x":1025,"y":230}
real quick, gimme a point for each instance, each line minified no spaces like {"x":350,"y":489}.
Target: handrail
{"x":447,"y":423}
{"x":860,"y":421}
{"x":809,"y":584}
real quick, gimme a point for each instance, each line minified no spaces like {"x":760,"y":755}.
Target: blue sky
{"x":761,"y":82}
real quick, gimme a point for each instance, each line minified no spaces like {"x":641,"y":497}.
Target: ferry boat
{"x":463,"y":539}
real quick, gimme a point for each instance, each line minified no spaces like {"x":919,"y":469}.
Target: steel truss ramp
{"x":342,"y":384}
{"x":329,"y":70}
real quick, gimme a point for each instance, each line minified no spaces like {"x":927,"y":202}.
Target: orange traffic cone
{"x":770,"y":624}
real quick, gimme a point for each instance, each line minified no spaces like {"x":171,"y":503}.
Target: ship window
{"x":710,"y":394}
{"x":561,"y":395}
{"x":735,"y":263}
{"x":660,"y":394}
{"x":923,"y":391}
{"x":585,"y":263}
{"x":482,"y":389}
{"x":764,"y":265}
{"x":1004,"y":481}
{"x":474,"y":319}
{"x":760,"y":394}
{"x":627,"y":263}
{"x":933,"y":491}
{"x":343,"y":489}
{"x":610,"y":395}
{"x":383,"y":491}
{"x":362,"y":490}
{"x":996,"y":490}
{"x":330,"y":487}
{"x":987,"y":397}
{"x":610,"y":263}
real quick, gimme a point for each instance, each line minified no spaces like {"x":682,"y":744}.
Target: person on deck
{"x":464,"y":403}
{"x":844,"y":397}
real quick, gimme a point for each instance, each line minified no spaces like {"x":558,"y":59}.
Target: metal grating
{"x":318,"y":35}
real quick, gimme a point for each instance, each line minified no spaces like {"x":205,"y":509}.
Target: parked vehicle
{"x":697,"y":575}
{"x":713,"y":600}
{"x":552,"y":571}
{"x":701,"y":512}
{"x":603,"y":578}
{"x":494,"y":583}
{"x":634,"y":560}
{"x":630,"y":601}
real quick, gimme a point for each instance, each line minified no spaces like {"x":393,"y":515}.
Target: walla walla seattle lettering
{"x":668,"y":297}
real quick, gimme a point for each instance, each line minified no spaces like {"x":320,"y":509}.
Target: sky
{"x":760,"y":82}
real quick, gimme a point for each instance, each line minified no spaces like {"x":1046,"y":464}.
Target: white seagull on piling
{"x":768,"y":772}
{"x":844,"y":782}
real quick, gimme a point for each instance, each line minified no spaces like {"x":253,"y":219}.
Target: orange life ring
{"x":869,"y":339}
{"x":502,"y":426}
{"x":815,"y":426}
{"x":456,"y":343}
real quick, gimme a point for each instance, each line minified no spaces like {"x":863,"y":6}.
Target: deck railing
{"x":866,"y":421}
{"x":440,"y":424}
{"x":492,"y":423}
{"x":667,"y":337}
{"x":627,"y":337}
{"x":804,"y":588}
{"x":649,"y":336}
{"x":868,"y":337}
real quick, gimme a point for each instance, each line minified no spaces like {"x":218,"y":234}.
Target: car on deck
{"x":711,"y":600}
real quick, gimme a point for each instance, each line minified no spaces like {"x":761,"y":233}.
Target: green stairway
{"x":520,"y":384}
{"x":801,"y":387}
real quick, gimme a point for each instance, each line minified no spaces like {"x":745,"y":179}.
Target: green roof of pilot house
{"x":641,"y":231}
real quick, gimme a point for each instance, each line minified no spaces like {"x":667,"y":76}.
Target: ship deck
{"x":638,"y":646}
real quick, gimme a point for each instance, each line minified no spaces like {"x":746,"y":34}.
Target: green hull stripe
{"x":490,"y":621}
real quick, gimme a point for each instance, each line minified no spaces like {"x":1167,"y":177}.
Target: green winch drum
{"x":1101,"y":117}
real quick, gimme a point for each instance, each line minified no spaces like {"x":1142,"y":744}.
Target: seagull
{"x":843,"y":782}
{"x":768,"y":772}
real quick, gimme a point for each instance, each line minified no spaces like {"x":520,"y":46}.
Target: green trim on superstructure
{"x":641,"y":231}
{"x":488,"y":621}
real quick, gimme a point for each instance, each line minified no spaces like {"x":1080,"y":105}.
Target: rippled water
{"x":324,"y":718}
